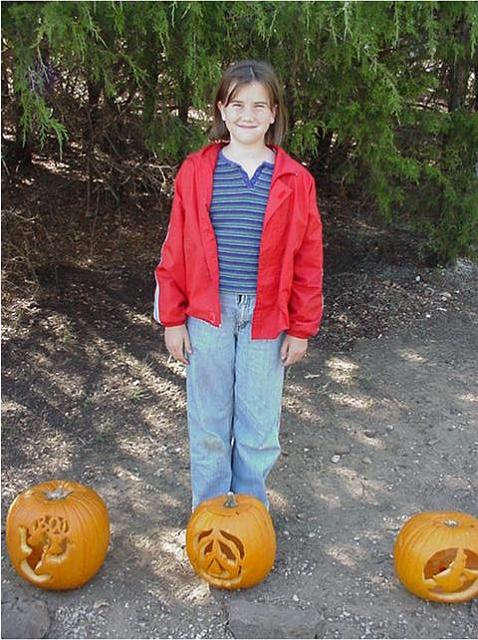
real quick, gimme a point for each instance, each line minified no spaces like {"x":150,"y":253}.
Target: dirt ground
{"x":379,"y":422}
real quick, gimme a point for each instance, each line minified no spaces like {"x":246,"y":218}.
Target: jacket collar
{"x":284,"y":164}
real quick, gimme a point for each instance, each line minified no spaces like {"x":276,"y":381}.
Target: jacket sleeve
{"x":170,"y":294}
{"x":306,"y":299}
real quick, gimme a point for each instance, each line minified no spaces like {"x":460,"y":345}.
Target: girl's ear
{"x":221,"y":109}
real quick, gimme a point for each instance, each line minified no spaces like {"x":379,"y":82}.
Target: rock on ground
{"x":24,"y":617}
{"x":259,"y":620}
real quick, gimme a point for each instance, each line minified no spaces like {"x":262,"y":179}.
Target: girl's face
{"x":249,"y":114}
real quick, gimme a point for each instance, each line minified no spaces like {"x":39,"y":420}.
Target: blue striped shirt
{"x":237,"y":214}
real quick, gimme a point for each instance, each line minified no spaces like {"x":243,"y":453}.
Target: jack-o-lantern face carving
{"x":436,"y":556}
{"x":451,"y":571}
{"x":231,"y":543}
{"x":44,"y":542}
{"x":220,"y":555}
{"x":57,"y":534}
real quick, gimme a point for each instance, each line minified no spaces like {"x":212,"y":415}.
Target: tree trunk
{"x":21,"y":155}
{"x":184,"y":99}
{"x":150,"y":64}
{"x":459,"y":69}
{"x":321,"y":160}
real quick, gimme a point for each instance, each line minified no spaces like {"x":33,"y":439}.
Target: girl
{"x":239,"y":284}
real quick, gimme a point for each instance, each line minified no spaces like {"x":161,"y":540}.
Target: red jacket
{"x":289,"y":282}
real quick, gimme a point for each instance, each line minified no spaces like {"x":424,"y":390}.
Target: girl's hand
{"x":293,"y":350}
{"x":177,"y":342}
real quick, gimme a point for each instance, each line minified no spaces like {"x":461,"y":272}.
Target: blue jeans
{"x":234,"y":395}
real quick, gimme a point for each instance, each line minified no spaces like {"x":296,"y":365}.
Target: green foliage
{"x":448,"y":193}
{"x":382,"y":96}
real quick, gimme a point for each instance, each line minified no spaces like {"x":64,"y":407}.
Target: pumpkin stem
{"x":57,"y":494}
{"x":231,"y":501}
{"x":451,"y":523}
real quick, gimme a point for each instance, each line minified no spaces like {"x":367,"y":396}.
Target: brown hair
{"x":238,"y":75}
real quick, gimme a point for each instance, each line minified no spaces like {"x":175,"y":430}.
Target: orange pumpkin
{"x":57,"y":534}
{"x":436,"y":556}
{"x":231,"y":542}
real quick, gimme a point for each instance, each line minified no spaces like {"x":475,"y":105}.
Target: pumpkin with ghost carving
{"x":57,"y":534}
{"x":230,"y":541}
{"x":436,"y":556}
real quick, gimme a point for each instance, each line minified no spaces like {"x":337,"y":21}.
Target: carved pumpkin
{"x":231,"y":542}
{"x":436,"y":556}
{"x":57,"y":534}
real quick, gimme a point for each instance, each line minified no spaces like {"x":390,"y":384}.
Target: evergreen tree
{"x":382,"y":96}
